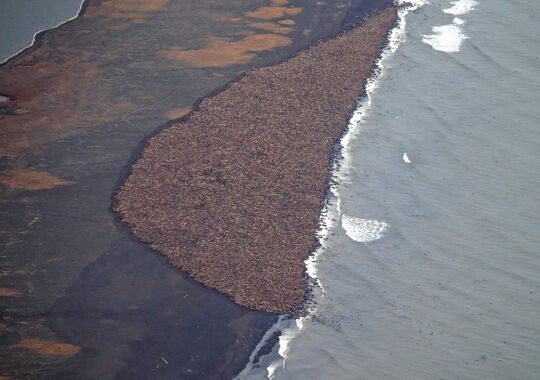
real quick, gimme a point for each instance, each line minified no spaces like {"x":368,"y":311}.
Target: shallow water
{"x":20,"y":19}
{"x":450,"y":290}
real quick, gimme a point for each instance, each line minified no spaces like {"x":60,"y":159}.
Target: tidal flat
{"x":81,"y":297}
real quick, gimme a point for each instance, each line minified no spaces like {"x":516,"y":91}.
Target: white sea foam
{"x":447,"y":38}
{"x":461,"y":7}
{"x":406,"y":158}
{"x":363,"y":230}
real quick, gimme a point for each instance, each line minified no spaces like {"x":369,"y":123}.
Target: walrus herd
{"x":232,"y":193}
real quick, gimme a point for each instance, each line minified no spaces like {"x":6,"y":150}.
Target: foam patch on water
{"x":461,"y":7}
{"x":447,"y":38}
{"x":363,"y":230}
{"x":406,"y":158}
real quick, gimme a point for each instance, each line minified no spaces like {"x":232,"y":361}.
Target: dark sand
{"x":82,"y":99}
{"x":232,"y":194}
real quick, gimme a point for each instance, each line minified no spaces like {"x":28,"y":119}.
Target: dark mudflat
{"x":80,"y":297}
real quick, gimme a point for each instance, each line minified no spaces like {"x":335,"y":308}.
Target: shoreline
{"x":137,"y":205}
{"x":36,"y":39}
{"x":385,"y":274}
{"x":289,"y":329}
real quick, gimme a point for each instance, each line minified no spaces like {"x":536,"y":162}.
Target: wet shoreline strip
{"x":232,"y":193}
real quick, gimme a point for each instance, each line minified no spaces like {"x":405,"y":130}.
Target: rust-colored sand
{"x":233,"y":194}
{"x":135,"y":10}
{"x":8,"y":292}
{"x":176,"y":113}
{"x":268,"y":13}
{"x":222,"y":52}
{"x":29,"y":179}
{"x":49,"y":348}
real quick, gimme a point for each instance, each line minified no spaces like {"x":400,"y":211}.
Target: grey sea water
{"x":21,"y":19}
{"x":431,"y":269}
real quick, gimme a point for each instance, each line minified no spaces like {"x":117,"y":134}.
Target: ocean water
{"x":21,"y":19}
{"x":430,"y":265}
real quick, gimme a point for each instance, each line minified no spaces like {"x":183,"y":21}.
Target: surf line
{"x":332,"y":213}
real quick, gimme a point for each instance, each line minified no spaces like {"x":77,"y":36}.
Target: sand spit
{"x":232,"y":193}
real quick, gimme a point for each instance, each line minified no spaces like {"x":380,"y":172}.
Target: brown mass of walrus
{"x":232,"y":193}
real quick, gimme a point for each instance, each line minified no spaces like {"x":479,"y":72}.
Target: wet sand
{"x":80,"y":296}
{"x":232,"y":193}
